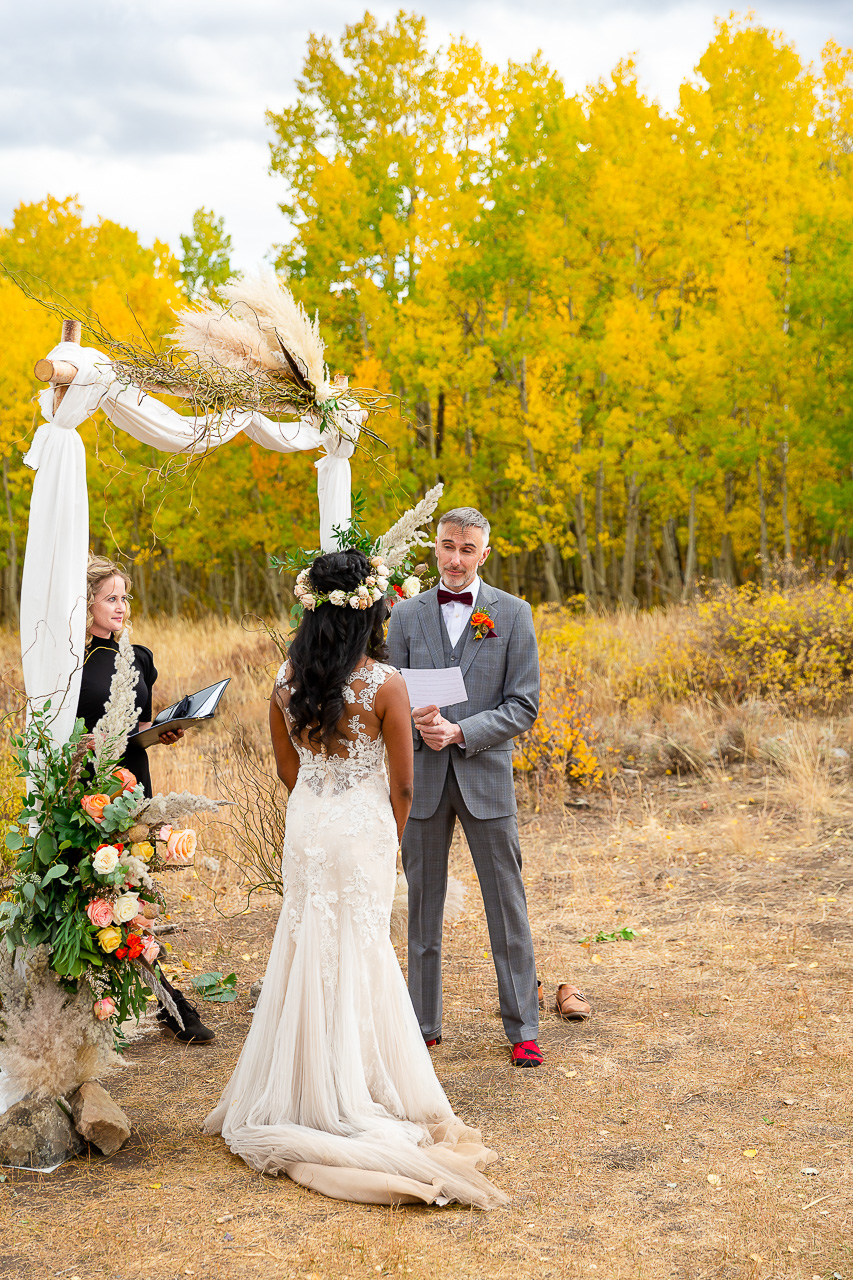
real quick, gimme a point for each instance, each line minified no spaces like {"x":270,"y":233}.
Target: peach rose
{"x":94,"y":805}
{"x":181,"y":846}
{"x":100,"y":913}
{"x":104,"y":1008}
{"x":151,"y":950}
{"x":126,"y":778}
{"x":164,"y":833}
{"x":139,"y":922}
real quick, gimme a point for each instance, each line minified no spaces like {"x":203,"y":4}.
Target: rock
{"x":210,"y":864}
{"x":35,"y":1133}
{"x":255,"y":989}
{"x":838,"y":753}
{"x":100,"y":1120}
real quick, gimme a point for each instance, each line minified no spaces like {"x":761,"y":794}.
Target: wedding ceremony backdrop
{"x":623,"y":333}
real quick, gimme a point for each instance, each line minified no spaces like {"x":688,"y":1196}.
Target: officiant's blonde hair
{"x":98,"y":571}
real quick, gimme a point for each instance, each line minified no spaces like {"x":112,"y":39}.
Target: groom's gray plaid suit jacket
{"x":501,"y":674}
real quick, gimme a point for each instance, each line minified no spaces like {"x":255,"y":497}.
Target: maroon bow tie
{"x":453,"y":597}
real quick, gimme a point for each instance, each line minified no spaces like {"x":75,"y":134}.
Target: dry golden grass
{"x":668,"y":1137}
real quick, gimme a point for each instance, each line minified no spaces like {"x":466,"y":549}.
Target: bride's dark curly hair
{"x":328,"y":643}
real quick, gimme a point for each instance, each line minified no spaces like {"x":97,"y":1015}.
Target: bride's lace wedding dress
{"x":335,"y":1085}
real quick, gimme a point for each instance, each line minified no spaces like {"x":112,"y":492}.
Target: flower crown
{"x":363,"y":596}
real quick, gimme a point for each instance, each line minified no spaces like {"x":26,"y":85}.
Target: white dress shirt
{"x":457,"y":616}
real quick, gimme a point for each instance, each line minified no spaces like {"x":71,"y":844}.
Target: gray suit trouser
{"x":497,"y":859}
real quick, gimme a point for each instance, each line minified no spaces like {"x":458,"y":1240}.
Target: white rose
{"x":370,"y":581}
{"x":377,"y":595}
{"x":302,"y":577}
{"x":354,"y":602}
{"x":308,"y":602}
{"x":411,"y":587}
{"x":382,"y":584}
{"x":362,"y":591}
{"x":105,"y":860}
{"x":338,"y":597}
{"x":364,"y":602}
{"x":125,"y":908}
{"x":376,"y":561}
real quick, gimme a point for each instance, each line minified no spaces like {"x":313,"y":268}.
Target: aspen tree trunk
{"x":786,"y":524}
{"x":12,"y":604}
{"x":762,"y":511}
{"x":237,"y":597}
{"x":672,"y":561}
{"x":690,"y":568}
{"x":647,"y":559}
{"x":629,"y":560}
{"x":587,"y":572}
{"x":600,"y":567}
{"x":512,"y":570}
{"x":173,"y":584}
{"x":553,"y":594}
{"x":727,"y":554}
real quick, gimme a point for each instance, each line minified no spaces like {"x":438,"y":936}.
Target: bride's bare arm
{"x":392,"y":708}
{"x":286,"y":757}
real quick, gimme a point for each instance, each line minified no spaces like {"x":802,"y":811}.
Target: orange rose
{"x":181,"y":846}
{"x":94,"y":805}
{"x":126,"y":778}
{"x":481,"y":620}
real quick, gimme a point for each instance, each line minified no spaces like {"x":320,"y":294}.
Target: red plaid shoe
{"x":431,"y":1044}
{"x":526,"y":1054}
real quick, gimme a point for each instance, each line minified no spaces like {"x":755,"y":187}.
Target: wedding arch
{"x":53,"y":589}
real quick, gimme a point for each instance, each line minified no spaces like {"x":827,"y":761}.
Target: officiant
{"x":107,"y":610}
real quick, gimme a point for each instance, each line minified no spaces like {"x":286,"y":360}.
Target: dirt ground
{"x":698,"y":1126}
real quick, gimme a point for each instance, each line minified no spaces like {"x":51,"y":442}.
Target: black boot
{"x":194,"y":1031}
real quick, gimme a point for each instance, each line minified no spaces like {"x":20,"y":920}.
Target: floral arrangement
{"x":483,"y":624}
{"x":87,"y":843}
{"x":392,"y":556}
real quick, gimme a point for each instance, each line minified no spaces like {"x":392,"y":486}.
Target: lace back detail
{"x":359,"y":751}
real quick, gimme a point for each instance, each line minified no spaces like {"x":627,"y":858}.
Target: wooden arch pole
{"x":60,"y":373}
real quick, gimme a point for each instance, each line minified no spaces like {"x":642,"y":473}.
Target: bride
{"x":335,"y":1085}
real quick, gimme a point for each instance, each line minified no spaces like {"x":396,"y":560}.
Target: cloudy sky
{"x":148,"y":109}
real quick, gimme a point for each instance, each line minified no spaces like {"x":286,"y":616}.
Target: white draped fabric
{"x":53,"y":590}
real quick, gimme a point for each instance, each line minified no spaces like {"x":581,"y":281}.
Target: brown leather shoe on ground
{"x":572,"y":1004}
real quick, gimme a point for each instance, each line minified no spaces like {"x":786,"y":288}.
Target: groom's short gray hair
{"x":466,"y":518}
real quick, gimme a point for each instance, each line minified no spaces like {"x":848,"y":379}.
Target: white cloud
{"x":149,"y":111}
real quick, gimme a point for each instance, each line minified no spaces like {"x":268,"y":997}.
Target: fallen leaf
{"x":667,"y":1126}
{"x":226,"y":1217}
{"x":570,"y":1075}
{"x":750,"y":1152}
{"x":155,"y":1186}
{"x":789,"y":1102}
{"x":756,"y":1257}
{"x":714,"y":1179}
{"x":812,"y":1173}
{"x":596,"y":959}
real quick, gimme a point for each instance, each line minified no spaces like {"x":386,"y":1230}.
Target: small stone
{"x":210,"y":864}
{"x":838,"y":753}
{"x":100,"y":1120}
{"x":35,"y":1133}
{"x":255,"y":989}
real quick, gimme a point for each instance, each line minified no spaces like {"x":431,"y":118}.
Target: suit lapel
{"x":486,"y":598}
{"x":429,"y":617}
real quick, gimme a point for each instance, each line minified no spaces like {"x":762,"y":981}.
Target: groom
{"x":463,"y":769}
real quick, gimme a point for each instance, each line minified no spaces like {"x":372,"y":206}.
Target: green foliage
{"x":205,"y":256}
{"x":215,"y":987}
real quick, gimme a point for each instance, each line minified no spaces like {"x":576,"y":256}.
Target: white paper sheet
{"x":439,"y":687}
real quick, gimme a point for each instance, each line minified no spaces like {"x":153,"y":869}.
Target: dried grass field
{"x":698,"y":1126}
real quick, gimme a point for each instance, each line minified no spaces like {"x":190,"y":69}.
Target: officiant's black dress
{"x":98,"y":670}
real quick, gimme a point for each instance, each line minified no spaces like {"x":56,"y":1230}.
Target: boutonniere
{"x":483,"y":624}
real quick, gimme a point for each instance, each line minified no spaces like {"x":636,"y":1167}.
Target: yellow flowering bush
{"x":560,"y":744}
{"x":793,"y":646}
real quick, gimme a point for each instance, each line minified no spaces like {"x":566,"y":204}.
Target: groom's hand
{"x":436,"y":732}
